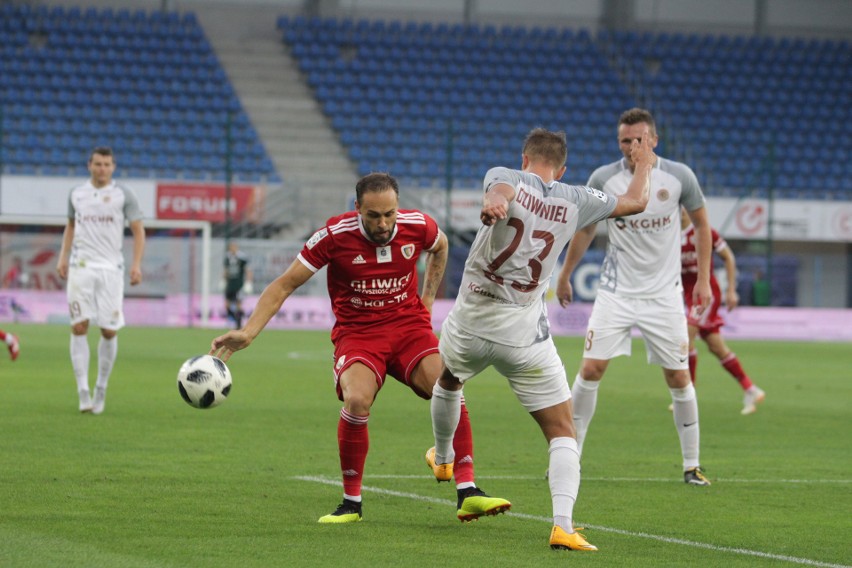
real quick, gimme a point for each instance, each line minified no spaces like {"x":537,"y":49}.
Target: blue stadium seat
{"x":160,"y":57}
{"x":711,"y":88}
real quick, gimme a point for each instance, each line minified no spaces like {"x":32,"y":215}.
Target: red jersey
{"x":709,"y":321}
{"x":689,"y":259}
{"x":371,"y":283}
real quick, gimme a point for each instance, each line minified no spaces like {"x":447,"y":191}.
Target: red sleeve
{"x":316,"y":252}
{"x":432,"y":233}
{"x":719,"y":243}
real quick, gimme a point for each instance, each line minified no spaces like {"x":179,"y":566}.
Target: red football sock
{"x":463,"y":447}
{"x":693,"y":364}
{"x":353,"y":441}
{"x":732,"y":365}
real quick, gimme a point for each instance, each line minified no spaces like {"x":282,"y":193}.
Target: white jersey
{"x":643,"y":253}
{"x":510,"y":263}
{"x":99,"y":218}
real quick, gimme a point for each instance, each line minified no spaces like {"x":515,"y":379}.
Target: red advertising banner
{"x":204,"y":202}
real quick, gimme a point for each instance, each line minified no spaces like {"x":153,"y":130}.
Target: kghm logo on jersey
{"x":408,"y":251}
{"x":644,"y":224}
{"x":96,"y":219}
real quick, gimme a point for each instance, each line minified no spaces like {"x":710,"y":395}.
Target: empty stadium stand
{"x":145,"y":83}
{"x":431,"y":102}
{"x":758,"y":112}
{"x":418,"y":98}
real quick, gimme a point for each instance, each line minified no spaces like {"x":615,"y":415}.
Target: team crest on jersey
{"x":317,"y":237}
{"x":340,"y":362}
{"x":408,"y":251}
{"x":663,"y":194}
{"x":106,"y":198}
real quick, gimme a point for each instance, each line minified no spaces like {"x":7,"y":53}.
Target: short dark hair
{"x":635,"y":116}
{"x":101,"y":151}
{"x":375,"y":182}
{"x":551,"y":147}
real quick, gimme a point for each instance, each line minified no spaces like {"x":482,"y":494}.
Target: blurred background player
{"x":238,"y":280}
{"x":640,"y":285}
{"x":383,"y":327}
{"x":709,"y":323}
{"x":500,"y":319}
{"x":92,"y":260}
{"x":16,"y":277}
{"x":12,"y":343}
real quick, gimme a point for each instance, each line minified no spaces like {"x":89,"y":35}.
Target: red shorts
{"x":708,"y":322}
{"x":387,"y":350}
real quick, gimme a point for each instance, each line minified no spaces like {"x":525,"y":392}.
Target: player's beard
{"x":382,"y":240}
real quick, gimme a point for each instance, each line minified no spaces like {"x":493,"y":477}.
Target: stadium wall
{"x":816,"y":234}
{"x":311,"y":313}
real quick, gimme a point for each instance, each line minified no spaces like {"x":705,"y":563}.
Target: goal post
{"x":203,"y":228}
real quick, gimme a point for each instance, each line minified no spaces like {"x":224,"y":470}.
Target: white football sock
{"x":584,"y":395}
{"x":445,"y":406}
{"x":80,"y":361}
{"x":107,"y":350}
{"x":564,"y":480}
{"x":685,"y":409}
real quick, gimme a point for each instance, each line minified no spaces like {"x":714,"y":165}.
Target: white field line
{"x":628,"y":479}
{"x":670,"y":540}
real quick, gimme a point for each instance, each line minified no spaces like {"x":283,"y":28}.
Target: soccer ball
{"x":204,"y":381}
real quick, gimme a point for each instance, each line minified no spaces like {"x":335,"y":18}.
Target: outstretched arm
{"x":267,"y":306}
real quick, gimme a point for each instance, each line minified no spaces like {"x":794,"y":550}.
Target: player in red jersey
{"x":383,"y":327}
{"x":708,"y":325}
{"x":12,"y":343}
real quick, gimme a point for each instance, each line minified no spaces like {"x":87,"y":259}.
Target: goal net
{"x":176,"y":272}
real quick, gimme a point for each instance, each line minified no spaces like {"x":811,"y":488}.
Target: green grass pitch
{"x":155,"y":483}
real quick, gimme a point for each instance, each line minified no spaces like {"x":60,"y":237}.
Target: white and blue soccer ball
{"x":204,"y":381}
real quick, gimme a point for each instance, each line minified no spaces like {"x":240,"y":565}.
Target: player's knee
{"x":357,"y":402}
{"x":80,"y":328}
{"x":592,"y":370}
{"x":676,"y":378}
{"x":449,"y":381}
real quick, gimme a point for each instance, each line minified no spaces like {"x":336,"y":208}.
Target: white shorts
{"x":660,"y":320}
{"x":96,"y":295}
{"x":535,"y":373}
